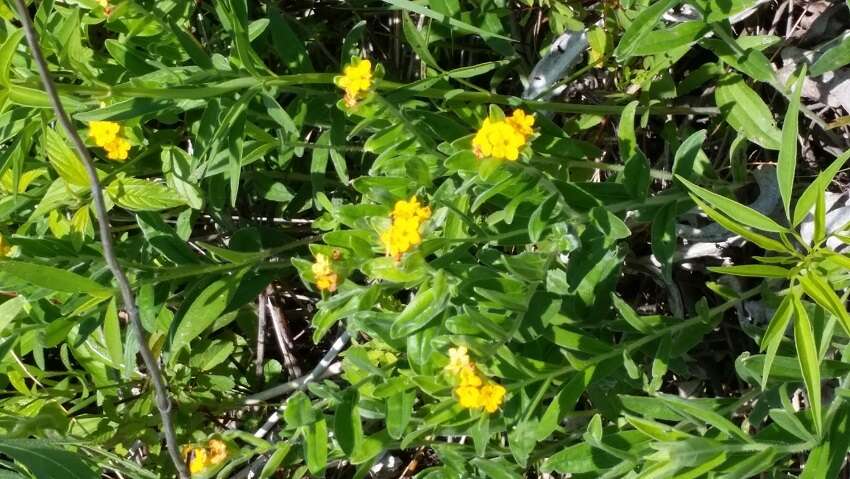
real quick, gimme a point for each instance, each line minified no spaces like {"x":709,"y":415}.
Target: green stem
{"x":300,"y":79}
{"x":595,"y":165}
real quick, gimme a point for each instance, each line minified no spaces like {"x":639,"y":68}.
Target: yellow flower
{"x":468,"y":397}
{"x":200,"y":459}
{"x":326,"y":278}
{"x":458,"y":360}
{"x":411,"y":209}
{"x":469,"y":376}
{"x":5,"y":247}
{"x":522,"y":122}
{"x":104,"y":132}
{"x":356,"y":80}
{"x":403,"y":233}
{"x":118,"y":149}
{"x":217,"y":451}
{"x":473,"y":390}
{"x":491,"y":397}
{"x":196,"y":458}
{"x":498,"y":139}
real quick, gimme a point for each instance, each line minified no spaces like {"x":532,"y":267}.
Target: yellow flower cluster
{"x":106,"y":134}
{"x":5,"y":247}
{"x":403,"y":233}
{"x":356,"y":80}
{"x":326,"y":278}
{"x":200,"y":459}
{"x":503,"y":139}
{"x":473,"y":391}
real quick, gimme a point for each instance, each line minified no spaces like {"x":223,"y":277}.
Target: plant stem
{"x":298,"y":80}
{"x":163,"y":401}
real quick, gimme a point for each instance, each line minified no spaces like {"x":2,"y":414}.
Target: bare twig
{"x":261,"y":334}
{"x":163,"y":402}
{"x":326,"y":367}
{"x":414,"y":463}
{"x":317,"y":373}
{"x":281,"y":332}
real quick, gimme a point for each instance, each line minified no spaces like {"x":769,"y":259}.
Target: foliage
{"x":508,"y":270}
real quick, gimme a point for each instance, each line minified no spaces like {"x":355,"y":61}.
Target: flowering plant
{"x":398,"y":239}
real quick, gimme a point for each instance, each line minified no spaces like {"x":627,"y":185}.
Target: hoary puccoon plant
{"x":344,"y":261}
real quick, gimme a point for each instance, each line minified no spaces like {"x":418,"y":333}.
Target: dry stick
{"x":163,"y":402}
{"x":261,"y":334}
{"x":281,"y":331}
{"x":326,"y":367}
{"x":317,"y":373}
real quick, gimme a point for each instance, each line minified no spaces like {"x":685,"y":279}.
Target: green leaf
{"x":7,"y":52}
{"x":445,"y":19}
{"x":480,"y":433}
{"x":202,"y":313}
{"x":192,"y":47}
{"x":807,"y":355}
{"x":64,"y":160}
{"x":417,"y":42}
{"x":399,"y":412}
{"x":785,"y":369}
{"x":582,"y":458}
{"x":755,"y":238}
{"x":33,"y":98}
{"x":746,"y":112}
{"x":564,"y":402}
{"x":807,"y":199}
{"x":690,"y":161}
{"x":753,"y":464}
{"x":136,"y":194}
{"x":130,"y":58}
{"x":787,"y":164}
{"x":112,"y":334}
{"x":424,"y":307}
{"x":130,"y":109}
{"x":716,"y":10}
{"x":287,"y":45}
{"x":347,"y":427}
{"x":664,"y":40}
{"x":281,"y":451}
{"x":635,"y":175}
{"x":540,"y":218}
{"x":836,"y":57}
{"x":177,"y":168}
{"x":54,"y":279}
{"x":753,"y":270}
{"x":640,"y":27}
{"x":788,"y":420}
{"x":693,"y":408}
{"x":654,"y":429}
{"x":773,"y":335}
{"x":630,"y":315}
{"x":497,"y":468}
{"x":738,"y":212}
{"x":238,"y":19}
{"x":522,"y":438}
{"x":299,"y":411}
{"x":11,"y":309}
{"x":749,"y":61}
{"x":664,"y":238}
{"x":47,"y":461}
{"x":827,"y":459}
{"x":316,"y":445}
{"x":819,"y":290}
